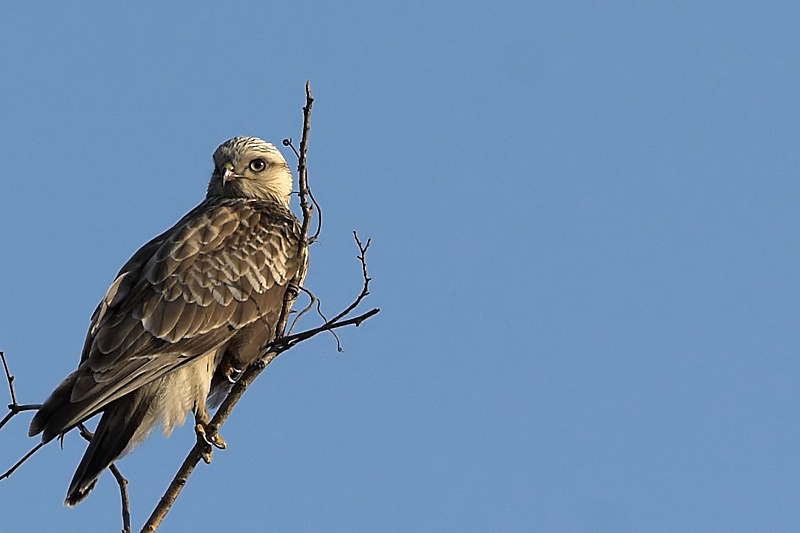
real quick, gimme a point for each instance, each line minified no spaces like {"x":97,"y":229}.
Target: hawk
{"x":186,"y":314}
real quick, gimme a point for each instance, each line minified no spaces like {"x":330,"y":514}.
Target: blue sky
{"x":585,"y":248}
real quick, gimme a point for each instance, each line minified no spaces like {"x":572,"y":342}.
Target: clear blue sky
{"x":586,"y":248}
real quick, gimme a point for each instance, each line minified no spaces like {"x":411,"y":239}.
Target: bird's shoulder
{"x":219,"y":263}
{"x":219,"y":235}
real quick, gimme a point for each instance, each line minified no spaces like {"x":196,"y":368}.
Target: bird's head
{"x":248,"y":167}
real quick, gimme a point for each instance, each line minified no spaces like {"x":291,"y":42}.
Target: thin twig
{"x":126,"y":502}
{"x":10,"y":379}
{"x":121,"y":481}
{"x":290,"y":340}
{"x":281,"y":345}
{"x":288,"y":142}
{"x":302,"y":167}
{"x":302,"y":170}
{"x":305,"y":310}
{"x":362,"y":256}
{"x":14,"y":408}
{"x":324,"y":321}
{"x":24,"y":458}
{"x":314,"y":237}
{"x":174,"y":489}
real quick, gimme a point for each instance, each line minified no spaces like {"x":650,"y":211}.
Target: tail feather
{"x":117,"y":428}
{"x":59,"y":414}
{"x":52,"y":407}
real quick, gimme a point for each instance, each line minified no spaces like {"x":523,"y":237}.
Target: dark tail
{"x":55,"y":415}
{"x":117,"y":427}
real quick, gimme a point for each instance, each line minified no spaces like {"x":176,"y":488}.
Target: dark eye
{"x":257,"y":165}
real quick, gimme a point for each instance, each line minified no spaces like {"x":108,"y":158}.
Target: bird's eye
{"x":257,"y":165}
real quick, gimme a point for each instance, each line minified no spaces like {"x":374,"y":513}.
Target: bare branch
{"x":302,"y":167}
{"x":288,"y":142}
{"x":14,"y":408}
{"x":302,"y":172}
{"x":24,"y":458}
{"x":126,"y":502}
{"x":121,"y":481}
{"x":306,"y":309}
{"x":285,"y":343}
{"x":10,"y":379}
{"x":319,"y":218}
{"x":362,"y":256}
{"x":174,"y":489}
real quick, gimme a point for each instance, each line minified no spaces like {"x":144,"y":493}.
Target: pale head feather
{"x":244,"y":153}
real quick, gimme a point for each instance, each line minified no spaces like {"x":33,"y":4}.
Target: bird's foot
{"x":228,"y":369}
{"x":208,"y":438}
{"x":292,"y":290}
{"x":233,"y":374}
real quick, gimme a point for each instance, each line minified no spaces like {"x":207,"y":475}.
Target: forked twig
{"x":14,"y":408}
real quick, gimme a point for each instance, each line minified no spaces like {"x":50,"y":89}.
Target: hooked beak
{"x":228,"y":173}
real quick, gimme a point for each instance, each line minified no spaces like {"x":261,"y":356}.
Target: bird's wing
{"x":186,"y":292}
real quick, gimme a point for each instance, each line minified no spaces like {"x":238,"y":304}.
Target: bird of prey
{"x":186,"y":314}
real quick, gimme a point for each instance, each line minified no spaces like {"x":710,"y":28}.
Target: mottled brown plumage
{"x":203,"y":297}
